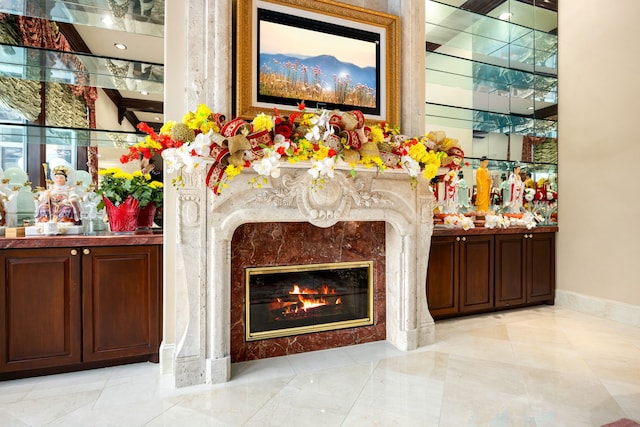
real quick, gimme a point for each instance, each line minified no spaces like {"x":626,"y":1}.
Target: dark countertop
{"x":440,"y":230}
{"x":147,"y":237}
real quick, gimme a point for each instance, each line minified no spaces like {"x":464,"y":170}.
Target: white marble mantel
{"x":205,"y":228}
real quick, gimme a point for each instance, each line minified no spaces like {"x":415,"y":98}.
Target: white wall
{"x":599,"y":112}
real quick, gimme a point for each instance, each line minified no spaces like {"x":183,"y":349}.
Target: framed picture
{"x":326,"y":54}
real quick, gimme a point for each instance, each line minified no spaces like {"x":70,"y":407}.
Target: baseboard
{"x":608,"y":309}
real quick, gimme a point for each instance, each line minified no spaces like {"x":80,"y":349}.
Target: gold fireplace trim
{"x":285,"y":332}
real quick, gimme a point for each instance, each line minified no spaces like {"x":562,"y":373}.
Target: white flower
{"x":324,"y":167}
{"x":269,"y":164}
{"x":493,"y":221}
{"x":281,"y":141}
{"x":466,"y":223}
{"x":187,"y":159}
{"x":172,"y":159}
{"x":319,"y":122}
{"x":410,"y":165}
{"x":202,"y":144}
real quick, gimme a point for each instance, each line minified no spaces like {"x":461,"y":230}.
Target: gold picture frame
{"x":350,"y":24}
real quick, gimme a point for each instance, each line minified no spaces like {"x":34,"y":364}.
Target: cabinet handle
{"x":464,"y":239}
{"x":74,"y":252}
{"x":86,"y":251}
{"x":526,"y":236}
{"x":457,"y":239}
{"x":531,"y":236}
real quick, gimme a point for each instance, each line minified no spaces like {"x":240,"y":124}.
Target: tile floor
{"x":544,"y":366}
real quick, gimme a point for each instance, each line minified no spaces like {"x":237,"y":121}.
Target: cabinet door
{"x":476,"y":273}
{"x":541,"y":283}
{"x":442,"y":277}
{"x":121,"y":292}
{"x":510,"y":269}
{"x":40,"y":302}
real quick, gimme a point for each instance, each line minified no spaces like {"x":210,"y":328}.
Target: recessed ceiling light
{"x":144,"y":92}
{"x":505,"y":16}
{"x":107,"y":21}
{"x":120,"y":46}
{"x":157,"y":119}
{"x":530,"y":108}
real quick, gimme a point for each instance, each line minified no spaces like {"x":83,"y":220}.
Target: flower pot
{"x":146,"y":215}
{"x":124,"y":217}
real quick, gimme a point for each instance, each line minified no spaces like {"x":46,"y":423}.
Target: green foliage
{"x":117,"y":185}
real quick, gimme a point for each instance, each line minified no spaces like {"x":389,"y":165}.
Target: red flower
{"x":331,"y":152}
{"x":281,"y":150}
{"x":301,"y":106}
{"x":284,"y":129}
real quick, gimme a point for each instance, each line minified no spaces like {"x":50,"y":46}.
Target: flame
{"x":323,"y":289}
{"x":307,"y":300}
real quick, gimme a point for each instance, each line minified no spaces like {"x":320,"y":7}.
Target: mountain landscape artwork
{"x":316,"y":66}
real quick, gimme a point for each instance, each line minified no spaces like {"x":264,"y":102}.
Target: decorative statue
{"x":451,"y":192}
{"x":483,"y":186}
{"x":517,"y":190}
{"x":59,"y":202}
{"x":463,"y":191}
{"x":505,"y":189}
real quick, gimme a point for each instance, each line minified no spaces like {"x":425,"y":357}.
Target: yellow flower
{"x":323,"y":151}
{"x":262,"y":122}
{"x":156,"y":184}
{"x":122,"y":175}
{"x":430,"y":170}
{"x":166,"y":128}
{"x":377,"y":135}
{"x":370,"y":161}
{"x":232,"y":171}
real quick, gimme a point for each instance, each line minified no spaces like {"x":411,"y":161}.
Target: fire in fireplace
{"x":292,"y":300}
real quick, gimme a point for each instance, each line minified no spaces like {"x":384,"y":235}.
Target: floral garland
{"x":324,"y":138}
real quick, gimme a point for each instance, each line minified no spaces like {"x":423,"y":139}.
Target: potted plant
{"x":125,"y":194}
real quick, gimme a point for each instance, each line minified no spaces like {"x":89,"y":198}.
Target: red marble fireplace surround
{"x":277,"y":244}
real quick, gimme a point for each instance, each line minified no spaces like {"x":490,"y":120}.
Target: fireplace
{"x":292,"y":300}
{"x":292,"y":222}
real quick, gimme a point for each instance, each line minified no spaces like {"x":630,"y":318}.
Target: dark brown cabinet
{"x":79,"y":307}
{"x":460,"y":275}
{"x":41,"y":322}
{"x":525,"y":268}
{"x":480,"y":273}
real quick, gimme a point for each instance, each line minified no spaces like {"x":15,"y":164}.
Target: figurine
{"x":483,"y":186}
{"x":517,"y":190}
{"x":463,"y":191}
{"x":505,"y":189}
{"x":59,"y":202}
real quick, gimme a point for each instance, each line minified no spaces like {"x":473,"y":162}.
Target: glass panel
{"x":82,"y":70}
{"x":63,"y":138}
{"x":487,"y":39}
{"x":134,"y":17}
{"x":490,"y":81}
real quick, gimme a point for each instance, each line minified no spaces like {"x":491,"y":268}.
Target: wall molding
{"x":600,"y":307}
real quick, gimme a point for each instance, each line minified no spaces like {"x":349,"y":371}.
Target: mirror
{"x":491,"y":81}
{"x":68,"y":93}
